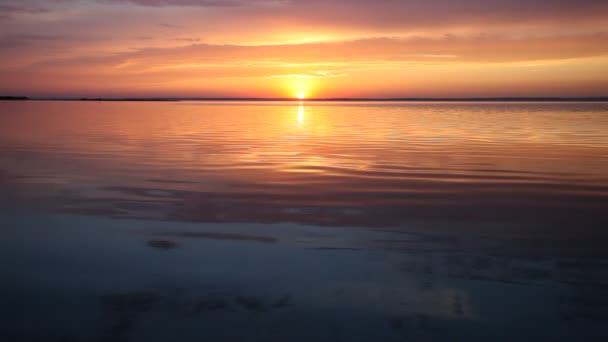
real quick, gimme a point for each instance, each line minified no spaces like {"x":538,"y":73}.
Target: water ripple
{"x":367,"y":164}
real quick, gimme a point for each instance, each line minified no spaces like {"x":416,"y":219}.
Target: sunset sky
{"x":322,"y":48}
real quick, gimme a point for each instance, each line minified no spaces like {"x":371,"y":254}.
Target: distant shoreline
{"x":258,"y":99}
{"x":14,"y":98}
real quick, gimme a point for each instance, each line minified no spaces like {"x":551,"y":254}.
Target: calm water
{"x":210,"y":221}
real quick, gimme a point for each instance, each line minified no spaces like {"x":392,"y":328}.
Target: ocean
{"x":303,"y":221}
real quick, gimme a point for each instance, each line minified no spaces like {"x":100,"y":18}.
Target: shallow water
{"x":303,"y":221}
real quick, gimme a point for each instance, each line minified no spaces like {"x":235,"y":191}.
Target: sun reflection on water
{"x":300,"y":114}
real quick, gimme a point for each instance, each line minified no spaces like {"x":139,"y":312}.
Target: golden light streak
{"x":300,"y":114}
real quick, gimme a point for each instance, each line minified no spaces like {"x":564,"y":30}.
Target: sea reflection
{"x":371,"y":165}
{"x":300,"y":114}
{"x":303,"y":221}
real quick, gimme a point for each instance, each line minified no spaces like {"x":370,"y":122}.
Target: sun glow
{"x":298,"y":88}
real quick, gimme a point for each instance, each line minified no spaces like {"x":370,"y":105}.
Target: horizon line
{"x":328,"y":99}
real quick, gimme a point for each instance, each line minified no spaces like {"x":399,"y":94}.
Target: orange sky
{"x":279,"y":48}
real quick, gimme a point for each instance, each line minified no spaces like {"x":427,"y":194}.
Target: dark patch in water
{"x":283,"y":302}
{"x":164,"y":245}
{"x":250,"y":303}
{"x":337,"y":249}
{"x":211,"y":304}
{"x":220,"y":236}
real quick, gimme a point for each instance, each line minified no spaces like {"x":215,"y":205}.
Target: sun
{"x":298,"y":88}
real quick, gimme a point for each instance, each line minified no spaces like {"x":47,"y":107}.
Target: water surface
{"x":304,"y":221}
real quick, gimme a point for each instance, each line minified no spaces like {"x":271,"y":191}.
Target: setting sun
{"x":301,"y":96}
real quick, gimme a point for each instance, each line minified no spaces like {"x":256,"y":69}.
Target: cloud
{"x":268,"y":40}
{"x":20,"y":40}
{"x":313,"y":74}
{"x":167,"y":25}
{"x":189,"y":40}
{"x":8,"y":11}
{"x":398,"y":13}
{"x":482,"y":48}
{"x":199,"y":3}
{"x":198,"y":64}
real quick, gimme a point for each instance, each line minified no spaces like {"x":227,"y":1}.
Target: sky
{"x":282,"y":48}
